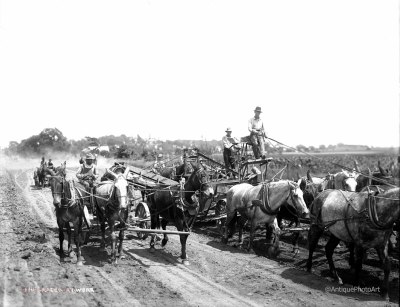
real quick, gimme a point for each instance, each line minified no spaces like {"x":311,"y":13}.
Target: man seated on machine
{"x":87,"y":175}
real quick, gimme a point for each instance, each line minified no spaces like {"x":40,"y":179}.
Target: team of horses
{"x":341,"y":203}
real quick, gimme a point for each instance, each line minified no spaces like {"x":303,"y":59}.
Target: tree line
{"x":53,"y":140}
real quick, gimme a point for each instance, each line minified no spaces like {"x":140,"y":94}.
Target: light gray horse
{"x":362,"y":219}
{"x":260,"y":204}
{"x":112,"y":205}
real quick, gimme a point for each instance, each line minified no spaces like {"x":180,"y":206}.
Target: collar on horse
{"x":373,"y":214}
{"x":183,"y":201}
{"x":264,"y":202}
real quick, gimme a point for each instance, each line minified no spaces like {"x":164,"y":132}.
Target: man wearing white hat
{"x":230,"y":144}
{"x":257,"y":133}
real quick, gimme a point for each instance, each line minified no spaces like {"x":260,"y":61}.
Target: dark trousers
{"x":228,"y":159}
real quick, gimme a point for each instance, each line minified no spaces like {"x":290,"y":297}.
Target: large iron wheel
{"x":143,"y":212}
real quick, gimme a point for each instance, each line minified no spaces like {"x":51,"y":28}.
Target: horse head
{"x":302,"y":183}
{"x":62,"y":169}
{"x":120,"y":190}
{"x":349,"y":181}
{"x":296,"y":198}
{"x":199,"y":180}
{"x":57,"y":182}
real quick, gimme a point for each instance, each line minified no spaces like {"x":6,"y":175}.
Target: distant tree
{"x":302,"y":148}
{"x":50,"y":139}
{"x":12,"y":149}
{"x":92,"y":141}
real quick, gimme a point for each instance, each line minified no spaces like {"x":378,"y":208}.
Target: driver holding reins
{"x":87,"y":175}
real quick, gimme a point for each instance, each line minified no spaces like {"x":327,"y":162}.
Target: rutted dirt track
{"x":218,"y":275}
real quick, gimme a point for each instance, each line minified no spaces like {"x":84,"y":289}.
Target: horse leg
{"x":384,"y":254}
{"x":359,"y":253}
{"x":296,"y":237}
{"x":121,"y":240}
{"x":113,"y":242}
{"x":270,"y":231}
{"x":241,"y":224}
{"x":103,"y":230}
{"x":179,"y":224}
{"x":61,"y":238}
{"x":164,"y":223}
{"x":154,"y":220}
{"x":329,"y":248}
{"x":351,"y":248}
{"x":273,"y":246}
{"x":69,"y":233}
{"x":230,"y":219}
{"x":251,"y":238}
{"x":77,"y":232}
{"x":314,"y":234}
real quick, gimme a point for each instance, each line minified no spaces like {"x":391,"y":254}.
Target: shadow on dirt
{"x":313,"y":281}
{"x":35,"y":188}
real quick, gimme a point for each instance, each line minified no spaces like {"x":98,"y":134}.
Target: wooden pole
{"x":160,"y":231}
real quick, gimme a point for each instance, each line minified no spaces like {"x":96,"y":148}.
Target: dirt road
{"x":218,"y":275}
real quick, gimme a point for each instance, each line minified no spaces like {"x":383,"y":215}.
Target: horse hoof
{"x":164,"y":242}
{"x":152,"y":250}
{"x":340,"y":281}
{"x":80,"y":263}
{"x":185,"y":262}
{"x":385,"y":296}
{"x":224,"y":241}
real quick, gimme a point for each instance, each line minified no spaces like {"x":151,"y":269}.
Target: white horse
{"x":260,"y":204}
{"x":346,"y":181}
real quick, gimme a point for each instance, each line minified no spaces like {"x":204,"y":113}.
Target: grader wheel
{"x":143,"y":212}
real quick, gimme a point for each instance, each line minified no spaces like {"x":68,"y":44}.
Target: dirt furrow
{"x":194,"y":288}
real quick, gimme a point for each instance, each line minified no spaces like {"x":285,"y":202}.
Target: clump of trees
{"x":50,"y":139}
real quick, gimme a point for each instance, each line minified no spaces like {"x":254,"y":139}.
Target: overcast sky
{"x":322,"y":71}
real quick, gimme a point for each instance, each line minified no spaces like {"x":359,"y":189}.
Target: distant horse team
{"x":357,"y":207}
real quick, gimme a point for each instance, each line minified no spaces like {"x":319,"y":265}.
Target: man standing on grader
{"x":257,"y":134}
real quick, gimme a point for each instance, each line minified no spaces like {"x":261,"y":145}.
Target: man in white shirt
{"x":257,"y":133}
{"x":230,"y":144}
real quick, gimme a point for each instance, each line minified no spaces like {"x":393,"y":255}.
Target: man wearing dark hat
{"x":230,"y":144}
{"x":257,"y":133}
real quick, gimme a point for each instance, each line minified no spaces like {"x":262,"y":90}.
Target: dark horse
{"x":173,"y":204}
{"x":380,"y":177}
{"x":39,"y":176}
{"x":174,"y":172}
{"x":69,"y":209}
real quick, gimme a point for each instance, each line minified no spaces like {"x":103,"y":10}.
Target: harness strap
{"x":373,"y":214}
{"x":346,"y":224}
{"x":264,"y":203}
